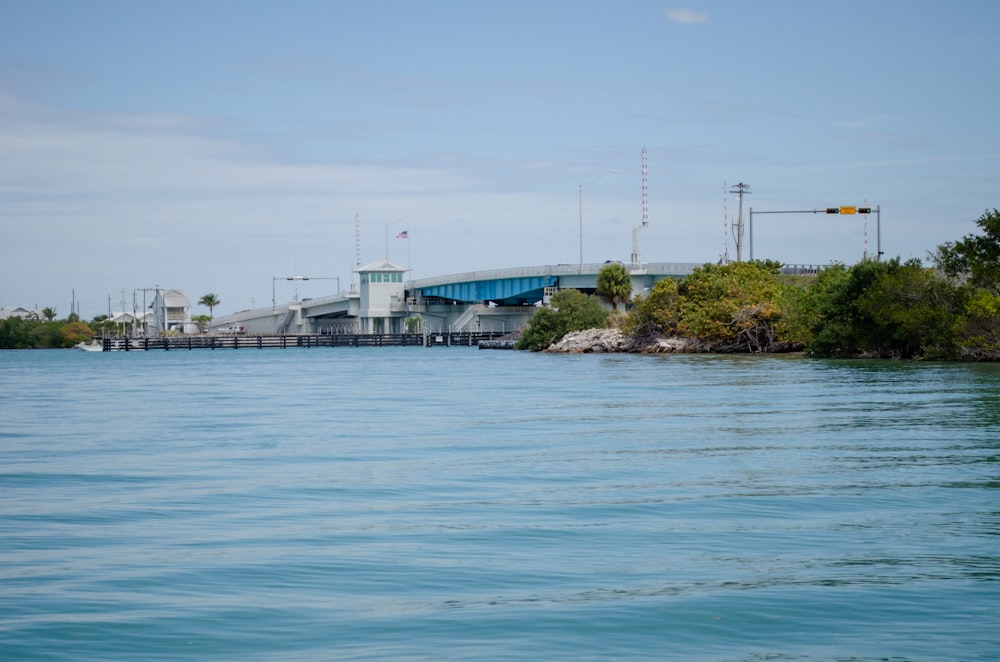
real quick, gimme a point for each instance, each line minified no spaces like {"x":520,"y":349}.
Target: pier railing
{"x":280,"y":341}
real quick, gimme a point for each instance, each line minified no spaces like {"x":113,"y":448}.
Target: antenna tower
{"x":645,"y":189}
{"x":636,"y":257}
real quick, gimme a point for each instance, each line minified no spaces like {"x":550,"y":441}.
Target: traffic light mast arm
{"x":798,"y":211}
{"x":828,"y":210}
{"x":846,"y":209}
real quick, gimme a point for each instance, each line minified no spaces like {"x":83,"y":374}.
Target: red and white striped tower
{"x":357,"y":250}
{"x":645,"y":188}
{"x":636,"y":257}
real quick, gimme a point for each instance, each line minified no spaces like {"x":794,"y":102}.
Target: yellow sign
{"x":848,"y":210}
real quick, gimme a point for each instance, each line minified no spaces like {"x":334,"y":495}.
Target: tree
{"x":201,"y":321}
{"x":769,"y":265}
{"x":975,"y":261}
{"x":975,"y":257}
{"x":49,"y":314}
{"x":979,"y":338}
{"x":827,"y":310}
{"x":16,"y":333}
{"x":743,"y":305}
{"x":656,"y":313}
{"x":33,"y":333}
{"x":614,"y":284}
{"x":913,"y":312}
{"x":738,"y":304}
{"x":571,"y":310}
{"x":74,"y":333}
{"x":210,"y":301}
{"x":888,"y":309}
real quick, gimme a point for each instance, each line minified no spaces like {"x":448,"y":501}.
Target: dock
{"x":464,"y":339}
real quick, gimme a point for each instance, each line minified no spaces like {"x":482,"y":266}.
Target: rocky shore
{"x":613,"y":340}
{"x":595,"y":341}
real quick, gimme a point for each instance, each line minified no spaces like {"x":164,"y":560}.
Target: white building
{"x":171,"y":312}
{"x":383,"y":298}
{"x":17,"y":311}
{"x":134,"y":324}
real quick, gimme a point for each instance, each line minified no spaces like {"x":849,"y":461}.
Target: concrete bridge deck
{"x":498,"y":300}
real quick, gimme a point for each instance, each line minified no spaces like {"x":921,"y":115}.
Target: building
{"x":132,"y":324}
{"x":17,"y":311}
{"x":171,"y":312}
{"x":383,"y":298}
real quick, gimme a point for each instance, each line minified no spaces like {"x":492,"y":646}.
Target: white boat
{"x":92,"y":346}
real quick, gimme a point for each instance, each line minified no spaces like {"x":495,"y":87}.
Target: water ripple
{"x":411,"y":504}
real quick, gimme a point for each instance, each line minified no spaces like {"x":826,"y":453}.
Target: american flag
{"x":405,"y":234}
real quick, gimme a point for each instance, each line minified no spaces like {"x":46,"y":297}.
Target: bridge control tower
{"x":383,"y":298}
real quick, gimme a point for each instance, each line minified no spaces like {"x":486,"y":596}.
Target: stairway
{"x":283,"y":327}
{"x":463,"y":321}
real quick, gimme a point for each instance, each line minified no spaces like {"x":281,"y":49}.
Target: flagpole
{"x":393,"y":224}
{"x":405,"y":234}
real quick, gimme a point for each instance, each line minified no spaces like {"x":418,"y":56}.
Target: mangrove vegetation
{"x":891,"y":309}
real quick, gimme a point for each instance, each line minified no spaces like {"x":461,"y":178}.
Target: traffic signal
{"x":848,"y":209}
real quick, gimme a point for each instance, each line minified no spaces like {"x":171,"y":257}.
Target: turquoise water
{"x":449,"y":503}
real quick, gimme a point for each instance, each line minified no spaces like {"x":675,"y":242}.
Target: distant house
{"x":133,"y":324}
{"x":17,"y":311}
{"x":170,"y":311}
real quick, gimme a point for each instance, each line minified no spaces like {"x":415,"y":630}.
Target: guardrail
{"x":469,"y":339}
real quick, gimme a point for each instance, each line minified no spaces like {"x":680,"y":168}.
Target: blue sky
{"x":213,"y":146}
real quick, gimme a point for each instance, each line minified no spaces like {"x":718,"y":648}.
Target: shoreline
{"x":607,"y":341}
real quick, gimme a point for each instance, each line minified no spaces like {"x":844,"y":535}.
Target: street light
{"x":297,"y":279}
{"x":588,"y":183}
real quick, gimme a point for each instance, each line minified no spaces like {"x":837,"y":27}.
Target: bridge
{"x":492,"y":301}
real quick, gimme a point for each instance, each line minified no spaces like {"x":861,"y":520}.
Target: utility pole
{"x":145,"y":325}
{"x":740,"y":189}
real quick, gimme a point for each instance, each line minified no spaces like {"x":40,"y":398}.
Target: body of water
{"x":449,"y":503}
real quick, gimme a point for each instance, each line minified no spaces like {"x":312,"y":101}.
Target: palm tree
{"x":49,"y":313}
{"x":210,"y":301}
{"x":614,"y":284}
{"x":202,"y":321}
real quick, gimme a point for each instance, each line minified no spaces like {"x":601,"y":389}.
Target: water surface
{"x":449,"y":503}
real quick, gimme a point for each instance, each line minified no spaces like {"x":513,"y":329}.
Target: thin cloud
{"x":891,"y":139}
{"x":685,"y":15}
{"x":895,"y":163}
{"x":120,"y":196}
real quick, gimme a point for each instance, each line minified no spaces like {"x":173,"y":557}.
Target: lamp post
{"x":297,"y":279}
{"x":588,"y":183}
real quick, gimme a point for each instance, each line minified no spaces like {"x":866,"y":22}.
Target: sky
{"x":223,"y":146}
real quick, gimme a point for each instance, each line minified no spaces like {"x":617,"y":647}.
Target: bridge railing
{"x":671,"y":268}
{"x":801,"y":269}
